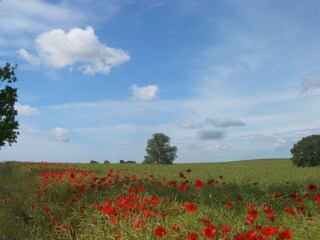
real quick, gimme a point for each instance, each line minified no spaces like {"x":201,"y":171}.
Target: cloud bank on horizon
{"x":224,"y":80}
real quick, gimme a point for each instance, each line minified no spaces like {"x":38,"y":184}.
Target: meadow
{"x":253,"y":199}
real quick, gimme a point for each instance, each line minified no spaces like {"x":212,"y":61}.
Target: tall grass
{"x":75,"y":201}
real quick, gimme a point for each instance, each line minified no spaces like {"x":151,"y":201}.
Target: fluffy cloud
{"x":309,"y":84}
{"x":223,"y":122}
{"x":26,"y":110}
{"x":146,"y":93}
{"x":60,"y":134}
{"x":61,"y":49}
{"x":211,"y":134}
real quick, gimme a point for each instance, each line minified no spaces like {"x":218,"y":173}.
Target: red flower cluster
{"x":129,"y":201}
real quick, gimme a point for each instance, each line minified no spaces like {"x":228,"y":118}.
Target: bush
{"x":130,"y":161}
{"x":93,"y":162}
{"x":106,"y":162}
{"x":306,"y":152}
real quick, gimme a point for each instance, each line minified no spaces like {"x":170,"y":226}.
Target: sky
{"x":225,"y":80}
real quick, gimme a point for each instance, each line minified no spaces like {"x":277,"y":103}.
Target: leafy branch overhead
{"x":8,"y":97}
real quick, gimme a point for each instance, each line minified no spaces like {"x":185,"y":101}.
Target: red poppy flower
{"x":285,"y":234}
{"x":160,"y":232}
{"x":290,"y":211}
{"x":188,"y":170}
{"x":226,"y":229}
{"x":253,"y":213}
{"x":299,"y":200}
{"x":175,"y":228}
{"x":276,"y":195}
{"x":108,"y":209}
{"x":229,"y":204}
{"x":317,"y":198}
{"x":267,"y":232}
{"x":191,"y":207}
{"x":45,"y":209}
{"x":198,"y":184}
{"x":183,"y":187}
{"x":209,"y":231}
{"x":312,"y":187}
{"x":138,"y":224}
{"x":182,"y":175}
{"x":193,"y":236}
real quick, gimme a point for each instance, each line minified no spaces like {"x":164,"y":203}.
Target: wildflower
{"x":267,"y":232}
{"x":290,"y":211}
{"x":193,"y":236}
{"x":317,"y":198}
{"x":45,"y":209}
{"x":229,"y":204}
{"x":312,"y":187}
{"x":226,"y":228}
{"x":199,"y":184}
{"x":276,"y":195}
{"x":139,"y":223}
{"x":183,"y":187}
{"x":175,"y":228}
{"x":209,"y":231}
{"x":191,"y":207}
{"x":108,"y":209}
{"x":160,"y":232}
{"x":285,"y":234}
{"x":188,"y":170}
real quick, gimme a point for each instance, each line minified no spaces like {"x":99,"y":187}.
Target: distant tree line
{"x":130,"y":161}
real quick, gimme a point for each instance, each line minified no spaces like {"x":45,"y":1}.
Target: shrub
{"x":306,"y":152}
{"x":94,"y":162}
{"x":130,"y":161}
{"x":106,"y":162}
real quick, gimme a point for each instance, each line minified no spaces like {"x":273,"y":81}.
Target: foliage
{"x":8,"y":97}
{"x":94,"y":162}
{"x":106,"y":162}
{"x":130,"y":161}
{"x":306,"y":152}
{"x":159,"y":151}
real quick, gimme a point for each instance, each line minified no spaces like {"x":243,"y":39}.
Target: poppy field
{"x":249,"y":200}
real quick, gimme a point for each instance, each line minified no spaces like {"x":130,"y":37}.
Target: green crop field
{"x":253,"y":199}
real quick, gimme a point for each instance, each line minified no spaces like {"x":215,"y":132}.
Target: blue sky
{"x":225,"y":80}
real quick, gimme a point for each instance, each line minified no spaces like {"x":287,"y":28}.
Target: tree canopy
{"x":306,"y":152}
{"x":8,"y":97}
{"x":159,"y":150}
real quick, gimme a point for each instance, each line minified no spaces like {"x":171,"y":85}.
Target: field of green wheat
{"x":253,"y":199}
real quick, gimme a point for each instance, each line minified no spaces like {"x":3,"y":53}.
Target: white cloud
{"x":60,"y":49}
{"x":146,"y":93}
{"x":60,"y":134}
{"x":224,"y":122}
{"x":26,"y":110}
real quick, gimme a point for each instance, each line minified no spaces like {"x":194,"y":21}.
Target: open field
{"x":256,"y":199}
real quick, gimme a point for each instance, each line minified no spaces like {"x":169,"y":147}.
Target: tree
{"x":159,"y":151}
{"x":106,"y":162}
{"x":8,"y":97}
{"x":306,"y":152}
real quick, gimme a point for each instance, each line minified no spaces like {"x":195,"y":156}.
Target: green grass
{"x":71,"y":190}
